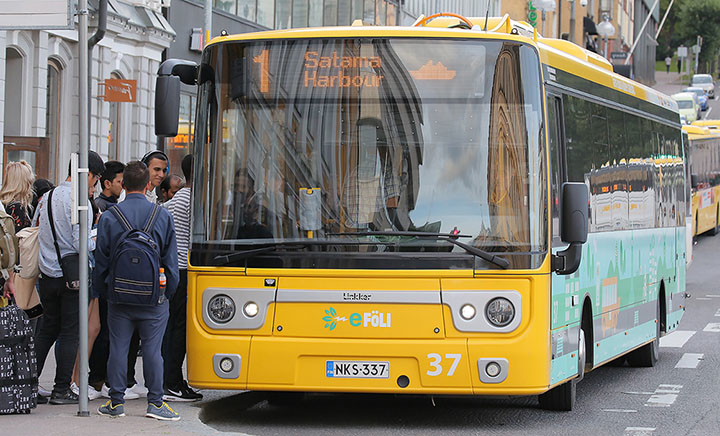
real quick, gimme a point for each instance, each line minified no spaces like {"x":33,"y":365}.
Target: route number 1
{"x":436,"y":364}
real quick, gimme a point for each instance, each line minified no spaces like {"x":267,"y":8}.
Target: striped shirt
{"x":179,"y":208}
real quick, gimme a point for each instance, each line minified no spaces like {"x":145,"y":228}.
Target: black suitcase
{"x":18,"y":367}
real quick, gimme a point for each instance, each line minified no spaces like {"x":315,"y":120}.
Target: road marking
{"x":717,"y":313}
{"x":620,"y":410}
{"x":713,"y":295}
{"x":664,"y":396}
{"x":676,"y":339}
{"x":638,"y":393}
{"x":639,"y":431}
{"x":703,"y":298}
{"x":689,"y":360}
{"x":712,"y":327}
{"x":707,"y":114}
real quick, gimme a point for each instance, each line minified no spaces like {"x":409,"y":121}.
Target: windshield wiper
{"x":449,"y":237}
{"x":224,"y":259}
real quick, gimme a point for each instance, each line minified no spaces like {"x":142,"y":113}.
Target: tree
{"x":700,"y":17}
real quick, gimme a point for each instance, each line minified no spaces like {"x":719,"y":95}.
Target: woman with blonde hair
{"x":16,"y":193}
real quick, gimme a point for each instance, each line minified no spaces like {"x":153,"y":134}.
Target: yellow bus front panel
{"x":416,"y":328}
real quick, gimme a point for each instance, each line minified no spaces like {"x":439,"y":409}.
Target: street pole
{"x":572,"y":21}
{"x":208,"y":21}
{"x":82,"y":205}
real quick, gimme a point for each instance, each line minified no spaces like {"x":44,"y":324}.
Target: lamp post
{"x":606,"y":30}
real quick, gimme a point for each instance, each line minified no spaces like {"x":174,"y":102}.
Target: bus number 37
{"x":436,"y":364}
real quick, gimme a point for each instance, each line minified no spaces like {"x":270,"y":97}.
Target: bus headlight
{"x":250,"y":309}
{"x":221,"y":308}
{"x":467,"y":312}
{"x":500,"y":311}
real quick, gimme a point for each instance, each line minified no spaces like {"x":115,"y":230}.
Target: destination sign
{"x":332,"y":71}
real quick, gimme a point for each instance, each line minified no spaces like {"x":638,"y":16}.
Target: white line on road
{"x":712,"y":327}
{"x":620,"y":410}
{"x":703,"y":298}
{"x":717,"y":313}
{"x":676,"y":339}
{"x":713,"y":295}
{"x":639,"y":431}
{"x":638,"y":393}
{"x":664,"y":396}
{"x":689,"y":360}
{"x":707,"y":114}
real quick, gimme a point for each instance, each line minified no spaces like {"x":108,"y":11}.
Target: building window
{"x":225,"y":5}
{"x":52,"y":114}
{"x":300,"y":13}
{"x":13,"y":92}
{"x":266,"y":12}
{"x":316,"y":13}
{"x":246,"y":9}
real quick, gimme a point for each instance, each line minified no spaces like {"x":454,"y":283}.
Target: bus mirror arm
{"x":567,"y":261}
{"x":573,"y":227}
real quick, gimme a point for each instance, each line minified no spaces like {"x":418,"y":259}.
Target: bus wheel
{"x":562,"y":398}
{"x":649,"y":354}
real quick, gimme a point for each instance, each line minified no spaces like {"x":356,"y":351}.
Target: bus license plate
{"x":357,"y":369}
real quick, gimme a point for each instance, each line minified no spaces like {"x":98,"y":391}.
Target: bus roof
{"x":555,"y":53}
{"x":710,"y":124}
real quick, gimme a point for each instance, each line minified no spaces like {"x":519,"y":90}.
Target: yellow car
{"x":688,"y":105}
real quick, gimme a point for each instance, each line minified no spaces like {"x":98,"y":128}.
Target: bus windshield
{"x":360,"y":145}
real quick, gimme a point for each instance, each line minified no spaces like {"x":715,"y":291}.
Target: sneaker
{"x":108,"y":409}
{"x":163,"y":413}
{"x":92,"y":393}
{"x":42,"y":400}
{"x":138,"y":389}
{"x":183,"y":393}
{"x":43,"y":392}
{"x":129,"y":394}
{"x":68,"y":397}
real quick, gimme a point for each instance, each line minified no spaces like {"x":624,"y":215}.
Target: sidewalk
{"x":53,"y":420}
{"x":669,"y":83}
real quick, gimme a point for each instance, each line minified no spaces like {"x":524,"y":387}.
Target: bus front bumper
{"x":423,"y":366}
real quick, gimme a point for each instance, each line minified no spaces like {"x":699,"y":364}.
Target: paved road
{"x":678,"y":397}
{"x":670,"y":84}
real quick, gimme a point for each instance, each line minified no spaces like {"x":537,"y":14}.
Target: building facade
{"x":39,"y":82}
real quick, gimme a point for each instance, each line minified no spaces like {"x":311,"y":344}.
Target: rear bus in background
{"x":433,"y":209}
{"x":704,"y":163}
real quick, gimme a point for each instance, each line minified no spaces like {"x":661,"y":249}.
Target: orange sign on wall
{"x":120,"y":90}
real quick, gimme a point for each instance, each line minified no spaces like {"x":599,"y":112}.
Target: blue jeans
{"x":150,"y":322}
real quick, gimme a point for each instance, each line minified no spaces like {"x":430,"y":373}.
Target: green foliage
{"x":699,"y":17}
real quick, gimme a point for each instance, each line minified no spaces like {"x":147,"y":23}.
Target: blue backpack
{"x":134,"y":276}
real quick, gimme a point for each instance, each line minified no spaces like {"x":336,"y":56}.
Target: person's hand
{"x":9,"y":288}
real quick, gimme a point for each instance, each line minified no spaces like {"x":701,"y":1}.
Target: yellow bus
{"x":457,"y":207}
{"x":704,"y":162}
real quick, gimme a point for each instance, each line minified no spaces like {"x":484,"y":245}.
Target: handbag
{"x":70,"y":263}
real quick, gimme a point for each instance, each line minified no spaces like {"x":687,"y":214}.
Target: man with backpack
{"x":136,"y":269}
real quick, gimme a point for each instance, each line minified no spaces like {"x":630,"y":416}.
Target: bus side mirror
{"x":167,"y":105}
{"x":574,"y":224}
{"x":573,"y":227}
{"x":167,"y":93}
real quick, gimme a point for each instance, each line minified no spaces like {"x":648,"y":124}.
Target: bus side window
{"x":554,"y":137}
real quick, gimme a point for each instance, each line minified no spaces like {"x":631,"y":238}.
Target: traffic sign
{"x":682,"y":52}
{"x":696,"y":49}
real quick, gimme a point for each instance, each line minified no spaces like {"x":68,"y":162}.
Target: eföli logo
{"x":373,"y":318}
